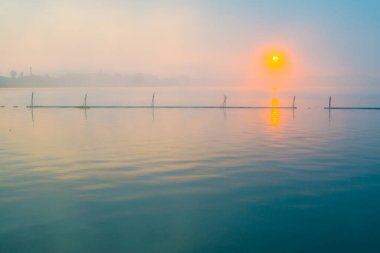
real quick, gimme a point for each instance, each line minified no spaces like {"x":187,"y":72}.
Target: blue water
{"x":189,"y":180}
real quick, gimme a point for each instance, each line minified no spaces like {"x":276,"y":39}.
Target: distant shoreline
{"x":98,"y":80}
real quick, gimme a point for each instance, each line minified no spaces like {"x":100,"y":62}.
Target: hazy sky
{"x":329,"y":40}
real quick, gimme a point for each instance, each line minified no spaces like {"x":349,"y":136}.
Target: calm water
{"x":191,"y":180}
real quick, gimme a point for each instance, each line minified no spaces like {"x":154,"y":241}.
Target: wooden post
{"x":294,"y":102}
{"x":224,"y":104}
{"x":32,"y":100}
{"x":153,"y":97}
{"x":330,"y":103}
{"x":85,"y":101}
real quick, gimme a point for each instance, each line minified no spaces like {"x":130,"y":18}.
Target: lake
{"x":187,"y":180}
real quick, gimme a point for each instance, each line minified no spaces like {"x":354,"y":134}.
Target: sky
{"x":328,"y":44}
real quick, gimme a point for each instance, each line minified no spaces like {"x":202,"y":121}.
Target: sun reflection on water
{"x":275,"y":113}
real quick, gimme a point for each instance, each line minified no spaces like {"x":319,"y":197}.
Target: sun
{"x":275,"y":60}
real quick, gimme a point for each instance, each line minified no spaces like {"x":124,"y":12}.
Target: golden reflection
{"x":274,"y":102}
{"x":275,"y":113}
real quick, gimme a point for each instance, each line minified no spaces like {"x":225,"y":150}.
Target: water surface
{"x":189,"y":180}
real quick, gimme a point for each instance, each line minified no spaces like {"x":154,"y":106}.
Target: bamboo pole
{"x":32,"y":100}
{"x":85,"y":101}
{"x":153,"y":98}
{"x":224,"y":104}
{"x":330,"y":103}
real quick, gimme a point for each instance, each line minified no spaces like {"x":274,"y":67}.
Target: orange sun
{"x":275,"y":61}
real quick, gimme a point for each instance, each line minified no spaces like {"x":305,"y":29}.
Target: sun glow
{"x":273,"y":67}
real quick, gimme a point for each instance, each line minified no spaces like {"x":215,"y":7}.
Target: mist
{"x":194,"y":42}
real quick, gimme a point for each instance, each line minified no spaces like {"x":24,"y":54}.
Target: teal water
{"x":174,"y":180}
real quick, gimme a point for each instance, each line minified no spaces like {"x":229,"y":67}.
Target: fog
{"x":333,"y":46}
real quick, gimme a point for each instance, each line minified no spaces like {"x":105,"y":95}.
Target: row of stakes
{"x":223,"y":105}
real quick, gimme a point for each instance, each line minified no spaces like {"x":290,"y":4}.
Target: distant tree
{"x":13,"y":74}
{"x":21,"y":75}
